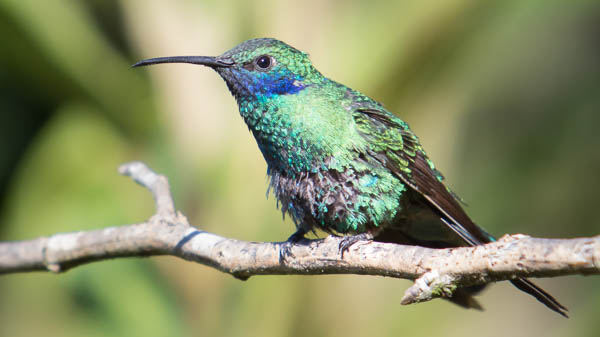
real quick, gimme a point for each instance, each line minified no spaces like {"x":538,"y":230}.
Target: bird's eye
{"x":264,"y":62}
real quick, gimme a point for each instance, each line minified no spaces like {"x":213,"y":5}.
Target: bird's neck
{"x":300,"y":133}
{"x":285,"y":144}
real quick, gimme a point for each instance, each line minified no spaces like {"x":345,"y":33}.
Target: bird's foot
{"x":285,"y":249}
{"x":348,"y":241}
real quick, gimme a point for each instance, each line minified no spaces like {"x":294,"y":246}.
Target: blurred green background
{"x":505,"y":96}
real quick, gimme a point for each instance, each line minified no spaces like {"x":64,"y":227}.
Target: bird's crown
{"x":271,"y":56}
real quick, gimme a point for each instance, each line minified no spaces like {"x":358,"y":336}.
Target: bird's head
{"x":256,"y":69}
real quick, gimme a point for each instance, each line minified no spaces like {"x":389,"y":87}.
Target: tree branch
{"x":436,"y":271}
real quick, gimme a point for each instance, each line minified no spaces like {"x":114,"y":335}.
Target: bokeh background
{"x":505,"y":96}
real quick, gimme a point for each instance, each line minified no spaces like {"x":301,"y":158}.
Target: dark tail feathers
{"x":464,"y":296}
{"x":541,"y":295}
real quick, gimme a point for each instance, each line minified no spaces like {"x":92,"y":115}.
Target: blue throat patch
{"x":270,"y":84}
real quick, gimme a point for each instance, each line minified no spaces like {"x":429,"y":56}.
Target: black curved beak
{"x":209,"y":61}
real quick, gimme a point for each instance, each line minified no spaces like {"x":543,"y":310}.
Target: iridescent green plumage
{"x":339,"y":161}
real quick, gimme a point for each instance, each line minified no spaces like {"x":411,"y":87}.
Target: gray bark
{"x":435,"y":271}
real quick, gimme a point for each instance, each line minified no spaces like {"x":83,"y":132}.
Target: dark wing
{"x":394,"y":145}
{"x":398,"y":149}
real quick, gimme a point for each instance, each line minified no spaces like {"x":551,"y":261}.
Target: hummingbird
{"x":339,"y":161}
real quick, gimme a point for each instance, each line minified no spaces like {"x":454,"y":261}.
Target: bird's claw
{"x":285,"y":249}
{"x":348,"y":241}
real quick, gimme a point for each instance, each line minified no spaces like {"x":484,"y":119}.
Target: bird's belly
{"x":352,"y":201}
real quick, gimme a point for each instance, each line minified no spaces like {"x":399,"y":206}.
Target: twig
{"x":436,"y":271}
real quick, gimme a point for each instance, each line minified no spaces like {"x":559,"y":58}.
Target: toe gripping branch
{"x":285,"y":249}
{"x":348,"y":241}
